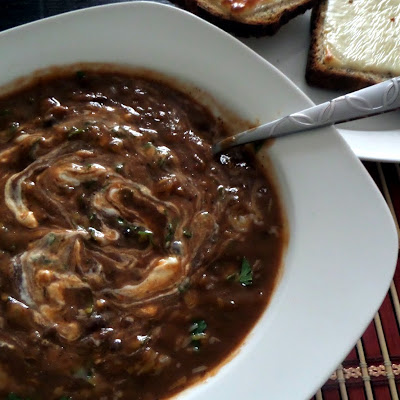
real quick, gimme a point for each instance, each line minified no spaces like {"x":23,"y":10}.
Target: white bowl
{"x":343,"y":246}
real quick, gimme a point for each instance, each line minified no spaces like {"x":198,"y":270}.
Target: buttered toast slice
{"x":247,"y":17}
{"x":354,"y":43}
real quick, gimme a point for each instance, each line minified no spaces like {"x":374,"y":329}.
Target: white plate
{"x":343,"y":246}
{"x":376,"y":138}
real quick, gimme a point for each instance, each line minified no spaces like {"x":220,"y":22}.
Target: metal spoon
{"x":373,"y":100}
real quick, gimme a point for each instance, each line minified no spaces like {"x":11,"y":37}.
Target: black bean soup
{"x":133,"y":262}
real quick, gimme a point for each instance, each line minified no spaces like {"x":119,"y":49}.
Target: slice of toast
{"x":247,"y":17}
{"x":354,"y":43}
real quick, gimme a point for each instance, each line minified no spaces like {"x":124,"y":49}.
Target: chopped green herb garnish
{"x":197,"y":331}
{"x":80,"y":74}
{"x":89,"y":166}
{"x":141,"y":234}
{"x":187,"y":233}
{"x":92,"y":217}
{"x":170,"y":234}
{"x":75,"y":131}
{"x":65,"y":398}
{"x":198,"y":327}
{"x":246,"y":273}
{"x":145,"y":235}
{"x":51,"y":238}
{"x":119,"y":167}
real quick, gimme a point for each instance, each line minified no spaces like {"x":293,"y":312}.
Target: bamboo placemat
{"x":372,"y":368}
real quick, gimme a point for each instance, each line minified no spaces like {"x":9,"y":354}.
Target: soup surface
{"x":132,"y":262}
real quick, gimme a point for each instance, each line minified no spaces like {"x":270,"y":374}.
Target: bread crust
{"x":321,"y":75}
{"x":264,"y":23}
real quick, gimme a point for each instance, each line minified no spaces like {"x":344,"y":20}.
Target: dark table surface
{"x":372,"y":368}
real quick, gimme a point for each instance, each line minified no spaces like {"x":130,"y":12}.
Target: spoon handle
{"x":373,"y":100}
